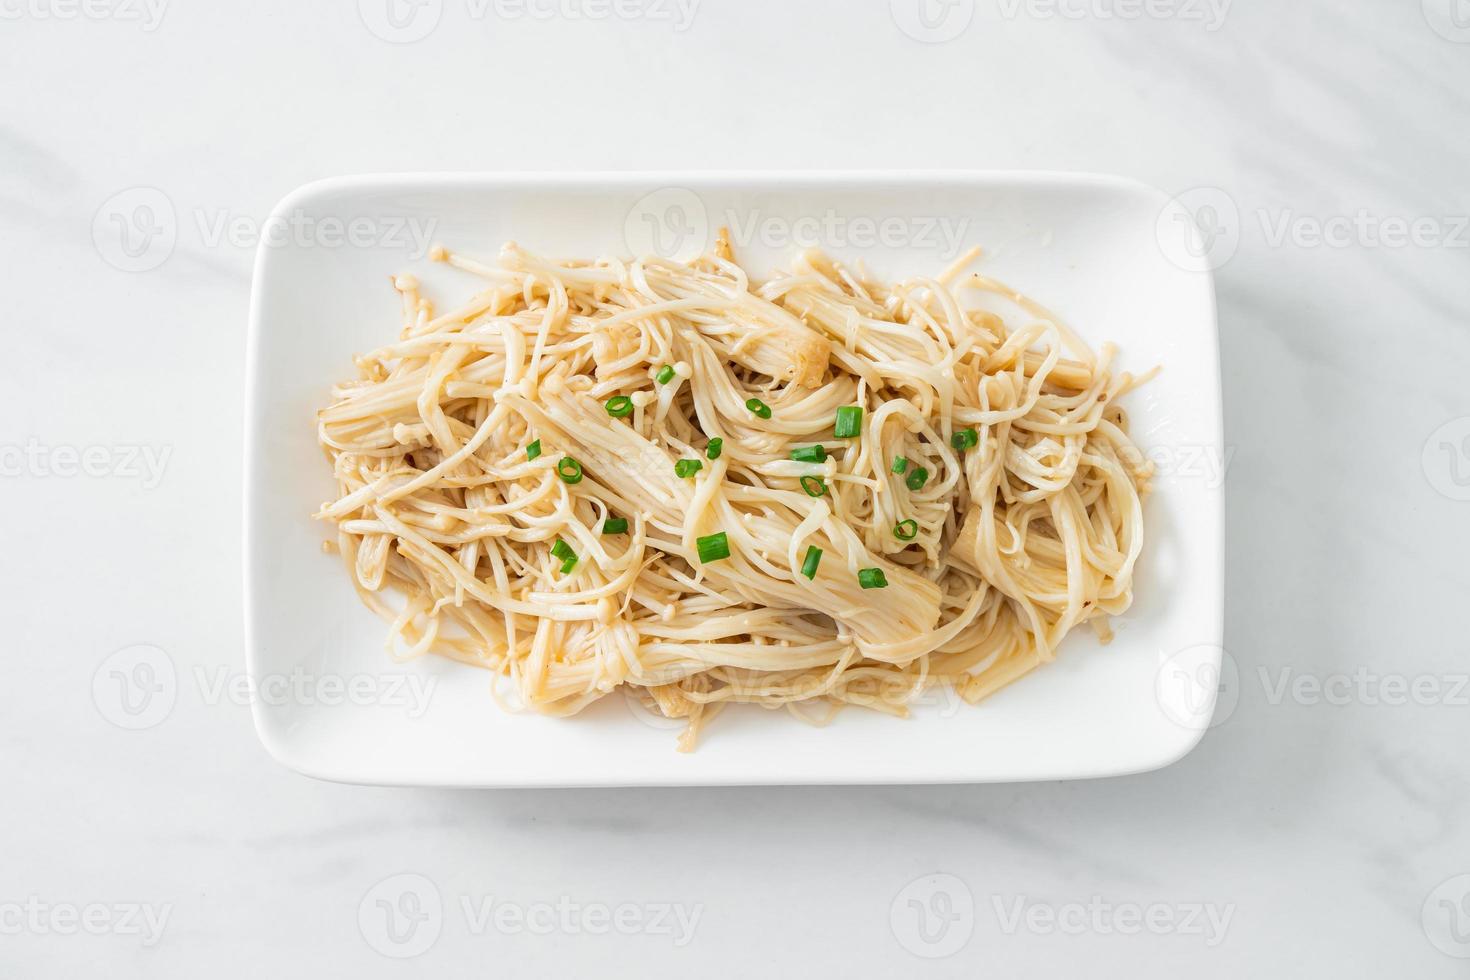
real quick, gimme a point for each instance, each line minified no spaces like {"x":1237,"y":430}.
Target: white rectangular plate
{"x":1098,"y":251}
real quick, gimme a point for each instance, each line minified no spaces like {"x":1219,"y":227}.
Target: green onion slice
{"x":813,"y":486}
{"x":964,"y":439}
{"x":665,"y":374}
{"x":759,"y":408}
{"x":813,"y":559}
{"x":568,"y":565}
{"x":810,"y":454}
{"x":899,"y":465}
{"x":916,"y":479}
{"x":569,"y":470}
{"x":716,"y":547}
{"x":562,"y":550}
{"x":715,"y":447}
{"x":533,"y":450}
{"x":620,"y":406}
{"x":872,"y":578}
{"x":906,"y":530}
{"x":685,"y":468}
{"x":615,"y":525}
{"x":849,"y":423}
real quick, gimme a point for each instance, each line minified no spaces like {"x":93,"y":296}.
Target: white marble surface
{"x":1324,"y":838}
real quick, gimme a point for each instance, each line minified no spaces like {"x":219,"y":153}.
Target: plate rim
{"x":316,"y":190}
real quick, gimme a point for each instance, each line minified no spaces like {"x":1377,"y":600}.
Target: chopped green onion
{"x":615,"y":525}
{"x":916,"y":479}
{"x":685,"y":468}
{"x":760,"y":409}
{"x":569,"y":470}
{"x":533,"y":450}
{"x":620,"y":406}
{"x":715,"y":447}
{"x":964,"y":439}
{"x":813,"y":559}
{"x":849,"y":422}
{"x":872,"y":578}
{"x":899,"y":465}
{"x":906,"y":530}
{"x":813,"y":486}
{"x":810,"y":454}
{"x":665,"y":374}
{"x":562,"y":550}
{"x":716,"y":547}
{"x":568,"y":565}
